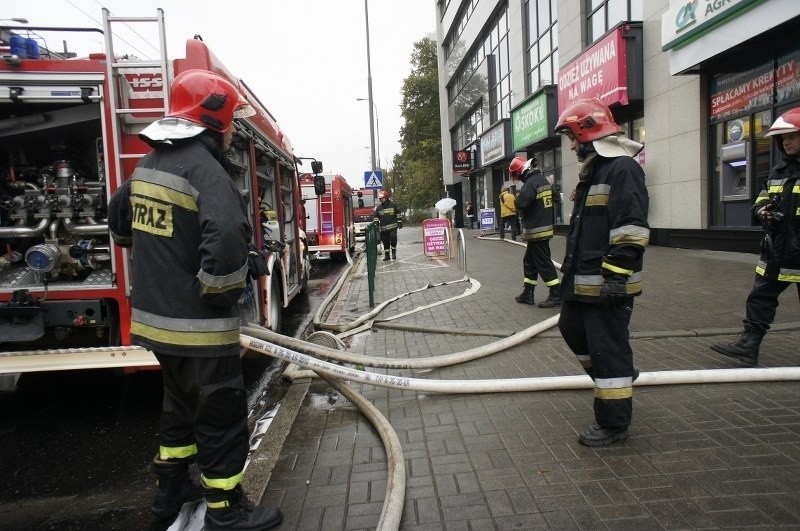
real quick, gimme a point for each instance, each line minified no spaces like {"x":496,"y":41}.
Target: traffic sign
{"x":373,"y":179}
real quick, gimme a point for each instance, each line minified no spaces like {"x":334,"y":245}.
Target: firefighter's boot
{"x":744,"y":349}
{"x":553,"y":299}
{"x":175,"y":487}
{"x":394,"y":254}
{"x":526,"y":297}
{"x":230,"y":509}
{"x":386,"y":256}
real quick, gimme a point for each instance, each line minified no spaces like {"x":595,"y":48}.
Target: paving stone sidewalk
{"x":712,"y":456}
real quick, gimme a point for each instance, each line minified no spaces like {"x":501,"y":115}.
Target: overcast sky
{"x":306,"y":60}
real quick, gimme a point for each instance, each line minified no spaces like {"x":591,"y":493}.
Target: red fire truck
{"x":329,"y":217}
{"x":68,"y":138}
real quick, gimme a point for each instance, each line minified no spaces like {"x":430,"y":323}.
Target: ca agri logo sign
{"x":686,"y":17}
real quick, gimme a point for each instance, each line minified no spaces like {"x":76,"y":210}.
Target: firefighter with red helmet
{"x":535,"y":206}
{"x":607,"y":237}
{"x":186,"y":222}
{"x":778,"y":208}
{"x":387,"y":216}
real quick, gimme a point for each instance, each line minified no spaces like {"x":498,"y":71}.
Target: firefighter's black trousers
{"x":762,"y":303}
{"x":389,"y":240}
{"x":537,"y":261}
{"x":205,"y":404}
{"x":599,"y":338}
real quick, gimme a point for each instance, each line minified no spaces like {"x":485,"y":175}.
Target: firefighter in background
{"x":608,"y":233}
{"x":535,"y":206}
{"x":778,"y":208}
{"x":387,"y":216}
{"x":186,"y":222}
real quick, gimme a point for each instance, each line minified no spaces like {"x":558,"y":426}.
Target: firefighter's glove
{"x":613,"y":293}
{"x":256,"y":262}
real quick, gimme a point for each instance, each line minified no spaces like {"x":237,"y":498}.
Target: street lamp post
{"x":377,"y":130}
{"x":369,"y":90}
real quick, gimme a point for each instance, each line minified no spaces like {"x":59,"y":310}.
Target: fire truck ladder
{"x":120,"y":98}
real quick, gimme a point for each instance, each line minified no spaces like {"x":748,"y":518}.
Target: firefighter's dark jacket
{"x":608,"y":230}
{"x":782,"y":261}
{"x":387,"y":215}
{"x":535,"y":206}
{"x":186,"y":221}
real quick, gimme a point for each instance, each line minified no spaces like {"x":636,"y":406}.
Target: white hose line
{"x":394,"y":497}
{"x":474,"y":286}
{"x":402,"y":363}
{"x":333,"y":292}
{"x":546,"y":383}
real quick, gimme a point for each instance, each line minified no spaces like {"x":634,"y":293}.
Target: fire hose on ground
{"x":395,"y":489}
{"x":300,"y":353}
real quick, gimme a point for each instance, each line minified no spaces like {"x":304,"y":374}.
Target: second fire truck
{"x":329,"y":217}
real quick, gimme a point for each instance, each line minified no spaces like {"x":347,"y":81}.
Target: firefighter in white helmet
{"x":778,"y":209}
{"x":186,"y":222}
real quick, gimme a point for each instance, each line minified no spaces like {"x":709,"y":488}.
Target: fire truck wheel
{"x":304,"y":284}
{"x":275,"y":304}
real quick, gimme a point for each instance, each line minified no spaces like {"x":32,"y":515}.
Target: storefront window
{"x":603,"y":15}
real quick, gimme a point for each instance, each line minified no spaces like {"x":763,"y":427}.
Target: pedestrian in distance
{"x":778,"y":208}
{"x":185,"y":220}
{"x":535,"y":208}
{"x":470,"y":214}
{"x":387,"y":216}
{"x":508,"y":214}
{"x":608,"y":233}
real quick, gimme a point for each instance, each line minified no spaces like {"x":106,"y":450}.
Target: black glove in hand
{"x":613,"y":294}
{"x":256,"y":262}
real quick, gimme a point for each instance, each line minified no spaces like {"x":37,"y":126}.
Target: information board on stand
{"x":487,"y":221}
{"x":436,"y":237}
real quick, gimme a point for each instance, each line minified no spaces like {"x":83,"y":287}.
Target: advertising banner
{"x":739,"y":92}
{"x":436,"y":236}
{"x":599,"y":72}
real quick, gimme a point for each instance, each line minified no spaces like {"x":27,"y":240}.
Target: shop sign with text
{"x":494,"y":142}
{"x":462,"y":160}
{"x":529,"y":122}
{"x":600,"y":72}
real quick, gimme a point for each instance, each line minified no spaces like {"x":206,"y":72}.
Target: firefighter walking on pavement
{"x":778,"y":208}
{"x":608,"y":233}
{"x":387,"y":216}
{"x":535,"y":206}
{"x":185,"y":220}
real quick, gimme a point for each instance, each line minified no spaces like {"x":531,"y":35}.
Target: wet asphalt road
{"x":75,"y":446}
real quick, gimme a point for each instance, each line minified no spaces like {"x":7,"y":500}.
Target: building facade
{"x":697,"y":82}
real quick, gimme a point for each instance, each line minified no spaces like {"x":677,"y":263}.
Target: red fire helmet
{"x":587,"y":120}
{"x":206,"y":99}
